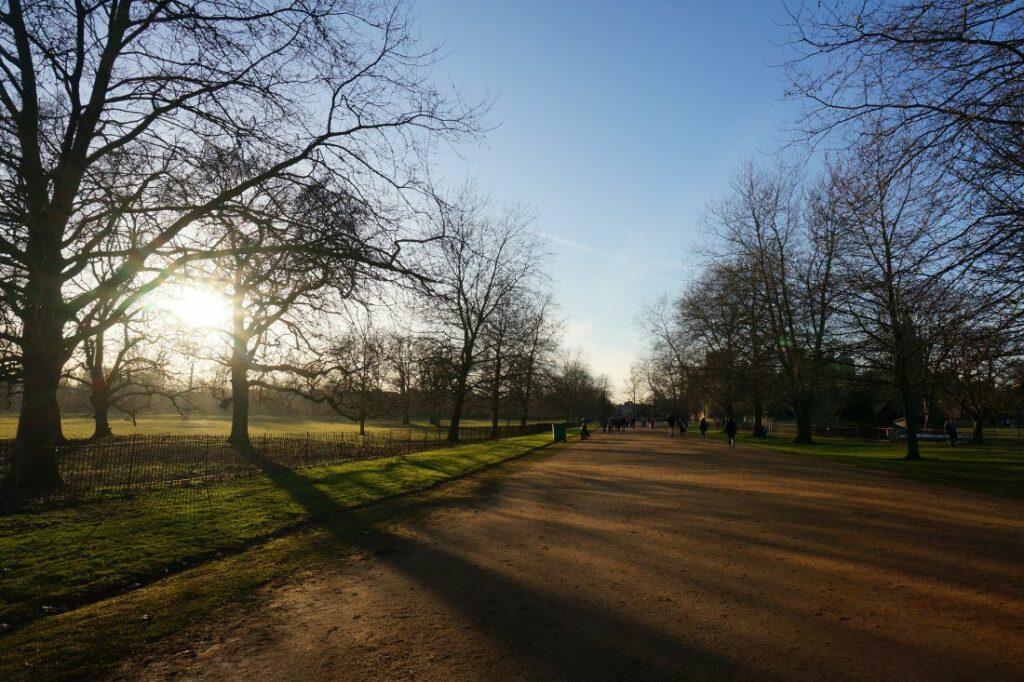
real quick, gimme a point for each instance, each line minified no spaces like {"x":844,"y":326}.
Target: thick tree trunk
{"x":912,"y":420}
{"x":100,"y":400}
{"x":362,"y":425}
{"x":978,"y":430}
{"x":39,"y":425}
{"x":759,"y":430}
{"x":804,"y":425}
{"x":457,"y":405}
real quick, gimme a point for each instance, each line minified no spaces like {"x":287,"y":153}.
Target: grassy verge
{"x":996,"y":469}
{"x":88,"y":642}
{"x":59,"y":560}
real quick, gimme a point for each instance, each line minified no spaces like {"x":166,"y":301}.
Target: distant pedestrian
{"x":682,"y":427}
{"x":671,"y":425}
{"x":730,"y":431}
{"x":951,"y":432}
{"x":703,"y":427}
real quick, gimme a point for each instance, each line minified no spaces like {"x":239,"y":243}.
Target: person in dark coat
{"x":951,"y":432}
{"x":671,"y":425}
{"x":703,"y":427}
{"x":730,"y":431}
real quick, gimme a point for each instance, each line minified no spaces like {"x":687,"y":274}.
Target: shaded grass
{"x":997,"y":469}
{"x":57,"y":560}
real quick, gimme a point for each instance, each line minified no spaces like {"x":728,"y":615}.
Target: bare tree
{"x":481,"y":265}
{"x":109,"y":113}
{"x":140,"y":367}
{"x":534,"y":356}
{"x":790,"y":243}
{"x":946,"y":74}
{"x":401,"y":357}
{"x":901,"y":303}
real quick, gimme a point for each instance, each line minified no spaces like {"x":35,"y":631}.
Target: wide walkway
{"x":639,"y":557}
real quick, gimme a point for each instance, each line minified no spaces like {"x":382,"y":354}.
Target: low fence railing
{"x":1004,"y":433}
{"x":124,"y":465}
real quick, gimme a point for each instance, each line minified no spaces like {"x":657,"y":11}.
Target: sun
{"x":196,"y":307}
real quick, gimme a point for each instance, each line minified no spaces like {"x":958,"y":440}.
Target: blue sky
{"x":618,"y":121}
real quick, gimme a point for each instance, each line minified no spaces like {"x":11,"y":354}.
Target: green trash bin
{"x":558,"y":432}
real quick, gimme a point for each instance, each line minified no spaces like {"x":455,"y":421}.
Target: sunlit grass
{"x":64,"y":558}
{"x":996,"y":468}
{"x":81,"y":426}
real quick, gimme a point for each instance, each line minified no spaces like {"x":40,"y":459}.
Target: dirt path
{"x":639,"y":557}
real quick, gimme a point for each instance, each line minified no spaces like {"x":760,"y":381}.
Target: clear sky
{"x":618,"y":121}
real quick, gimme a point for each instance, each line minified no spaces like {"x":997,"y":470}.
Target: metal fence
{"x":1009,"y":433}
{"x":124,"y":465}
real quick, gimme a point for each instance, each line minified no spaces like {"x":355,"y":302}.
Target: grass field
{"x":80,"y":426}
{"x":996,"y":468}
{"x":57,"y":560}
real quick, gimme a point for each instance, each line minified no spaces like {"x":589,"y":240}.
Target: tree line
{"x":888,"y":271}
{"x":278,"y":152}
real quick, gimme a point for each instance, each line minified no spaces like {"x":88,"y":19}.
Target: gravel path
{"x":640,"y":557}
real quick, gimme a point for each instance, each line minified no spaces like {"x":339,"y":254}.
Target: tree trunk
{"x":39,"y":425}
{"x":759,"y":430}
{"x":457,"y":404}
{"x":978,"y":429}
{"x":912,"y":421}
{"x":99,"y":395}
{"x":406,"y":408}
{"x":804,"y":425}
{"x":496,"y":396}
{"x":239,"y":376}
{"x":100,"y":400}
{"x":362,"y":425}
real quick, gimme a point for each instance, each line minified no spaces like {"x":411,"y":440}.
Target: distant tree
{"x":533,"y":357}
{"x":355,"y":381}
{"x":481,"y":265}
{"x":401,"y":356}
{"x":789,"y":240}
{"x":140,"y":367}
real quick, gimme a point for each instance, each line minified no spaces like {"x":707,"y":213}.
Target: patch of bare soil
{"x":640,"y":557}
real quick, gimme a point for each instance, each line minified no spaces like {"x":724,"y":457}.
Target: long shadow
{"x":550,"y":635}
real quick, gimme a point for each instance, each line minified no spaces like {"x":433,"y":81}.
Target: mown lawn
{"x":58,"y":560}
{"x":996,"y":468}
{"x":80,"y":426}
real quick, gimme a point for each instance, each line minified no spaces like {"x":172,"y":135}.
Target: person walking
{"x":951,"y":432}
{"x":682,"y":427}
{"x":671,"y":425}
{"x":730,"y":431}
{"x":703,"y":427}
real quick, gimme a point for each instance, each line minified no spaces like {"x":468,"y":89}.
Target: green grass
{"x":81,"y":426}
{"x":996,"y":468}
{"x":61,"y":559}
{"x":87,"y":642}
